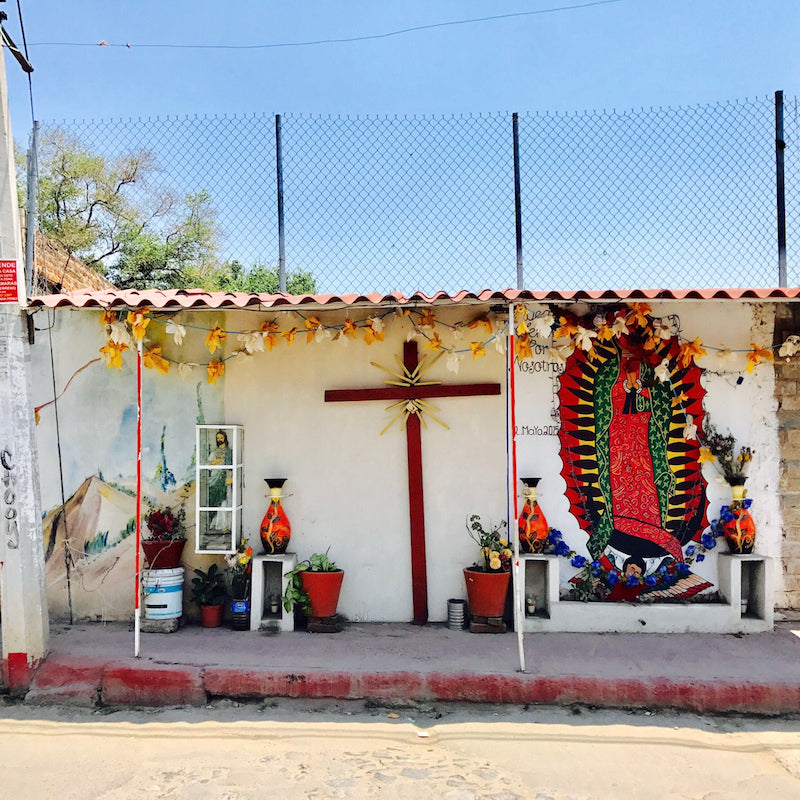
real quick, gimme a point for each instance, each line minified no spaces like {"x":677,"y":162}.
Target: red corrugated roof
{"x":199,"y":298}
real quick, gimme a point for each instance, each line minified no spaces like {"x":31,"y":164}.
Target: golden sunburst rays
{"x":408,"y":379}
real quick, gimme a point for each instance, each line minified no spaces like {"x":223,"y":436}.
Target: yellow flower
{"x":757,"y":355}
{"x":270,"y":331}
{"x":638,"y":314}
{"x":289,"y":335}
{"x":477,"y":350}
{"x":216,"y":369}
{"x":112,"y":353}
{"x":152,"y":359}
{"x":435,"y":343}
{"x":350,"y":328}
{"x":312,"y":324}
{"x":494,"y":561}
{"x":705,"y":455}
{"x":428,"y":320}
{"x":503,"y":542}
{"x":108,"y":316}
{"x":138,"y":322}
{"x":690,"y":351}
{"x":506,"y":552}
{"x":482,"y":320}
{"x":215,"y":338}
{"x":605,"y":333}
{"x":566,"y":328}
{"x":679,"y":400}
{"x":372,"y":334}
{"x":523,"y":346}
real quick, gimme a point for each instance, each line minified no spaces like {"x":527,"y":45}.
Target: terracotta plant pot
{"x":486,"y":592}
{"x":323,"y":590}
{"x":163,"y":555}
{"x":211,"y":616}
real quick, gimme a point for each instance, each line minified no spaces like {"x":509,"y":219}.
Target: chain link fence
{"x":652,"y":198}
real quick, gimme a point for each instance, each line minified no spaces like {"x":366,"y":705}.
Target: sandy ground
{"x":316,"y":750}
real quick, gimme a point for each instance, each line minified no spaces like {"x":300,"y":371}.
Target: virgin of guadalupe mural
{"x":629,"y":449}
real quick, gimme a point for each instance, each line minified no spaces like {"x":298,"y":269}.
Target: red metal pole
{"x":138,"y":492}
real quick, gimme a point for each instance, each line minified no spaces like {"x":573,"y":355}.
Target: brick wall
{"x":787,"y":391}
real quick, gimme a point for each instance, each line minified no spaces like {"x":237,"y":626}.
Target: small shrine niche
{"x":219,"y":481}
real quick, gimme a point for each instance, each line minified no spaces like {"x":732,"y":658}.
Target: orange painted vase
{"x":275,"y":528}
{"x":738,"y":526}
{"x":532,"y":525}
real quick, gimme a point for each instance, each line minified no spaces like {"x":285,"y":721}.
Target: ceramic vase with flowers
{"x":737,"y":523}
{"x":240,"y":573}
{"x":487,"y":580}
{"x":163,"y":543}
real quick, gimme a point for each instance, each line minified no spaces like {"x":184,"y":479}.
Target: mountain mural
{"x":92,"y":540}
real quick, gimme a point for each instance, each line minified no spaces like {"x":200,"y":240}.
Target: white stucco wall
{"x":347,"y":485}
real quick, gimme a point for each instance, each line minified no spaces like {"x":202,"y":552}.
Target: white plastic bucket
{"x":163,"y":593}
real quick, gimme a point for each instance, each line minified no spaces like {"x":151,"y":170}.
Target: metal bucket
{"x":456,"y":614}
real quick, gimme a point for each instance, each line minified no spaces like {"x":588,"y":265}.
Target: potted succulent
{"x":487,"y":580}
{"x":163,"y":543}
{"x":314,"y":585}
{"x":208,"y":591}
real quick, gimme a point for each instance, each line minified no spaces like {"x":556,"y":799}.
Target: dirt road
{"x":311,"y":751}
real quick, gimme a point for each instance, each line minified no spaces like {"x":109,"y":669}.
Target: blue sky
{"x":623,"y":54}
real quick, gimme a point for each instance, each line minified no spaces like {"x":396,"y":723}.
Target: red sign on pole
{"x":8,"y":282}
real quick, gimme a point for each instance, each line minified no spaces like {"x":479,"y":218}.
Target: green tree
{"x":233,"y":277}
{"x":112,"y":215}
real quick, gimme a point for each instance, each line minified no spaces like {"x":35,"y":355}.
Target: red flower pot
{"x":211,"y":616}
{"x":486,"y":592}
{"x":323,"y":590}
{"x":163,"y":555}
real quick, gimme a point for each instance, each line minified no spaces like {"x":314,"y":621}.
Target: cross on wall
{"x":410,"y":392}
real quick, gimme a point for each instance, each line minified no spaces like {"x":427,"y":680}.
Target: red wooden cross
{"x":414,"y":389}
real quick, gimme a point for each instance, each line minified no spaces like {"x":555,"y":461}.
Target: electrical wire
{"x":342,"y":40}
{"x":27,"y":58}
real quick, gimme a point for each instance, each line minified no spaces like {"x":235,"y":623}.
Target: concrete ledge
{"x":72,"y":682}
{"x":66,"y":681}
{"x":144,"y":685}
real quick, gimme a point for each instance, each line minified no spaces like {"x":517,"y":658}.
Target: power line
{"x":27,"y":58}
{"x":343,"y":40}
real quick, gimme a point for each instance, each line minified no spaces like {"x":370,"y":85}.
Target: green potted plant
{"x":314,"y":585}
{"x":487,"y":580}
{"x":165,"y":537}
{"x":208,"y":591}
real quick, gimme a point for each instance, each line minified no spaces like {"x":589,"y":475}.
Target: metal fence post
{"x":517,"y":200}
{"x":31,"y":222}
{"x":281,"y":231}
{"x":780,"y":146}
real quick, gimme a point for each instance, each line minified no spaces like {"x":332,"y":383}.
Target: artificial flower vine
{"x":123,"y":332}
{"x":566,"y":331}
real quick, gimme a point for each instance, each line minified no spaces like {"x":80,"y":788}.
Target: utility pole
{"x":25,"y":629}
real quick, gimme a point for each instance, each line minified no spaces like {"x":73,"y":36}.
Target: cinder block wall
{"x":787,"y":391}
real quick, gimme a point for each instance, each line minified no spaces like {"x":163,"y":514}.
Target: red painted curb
{"x":74,"y":681}
{"x":66,"y":681}
{"x":143,"y":685}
